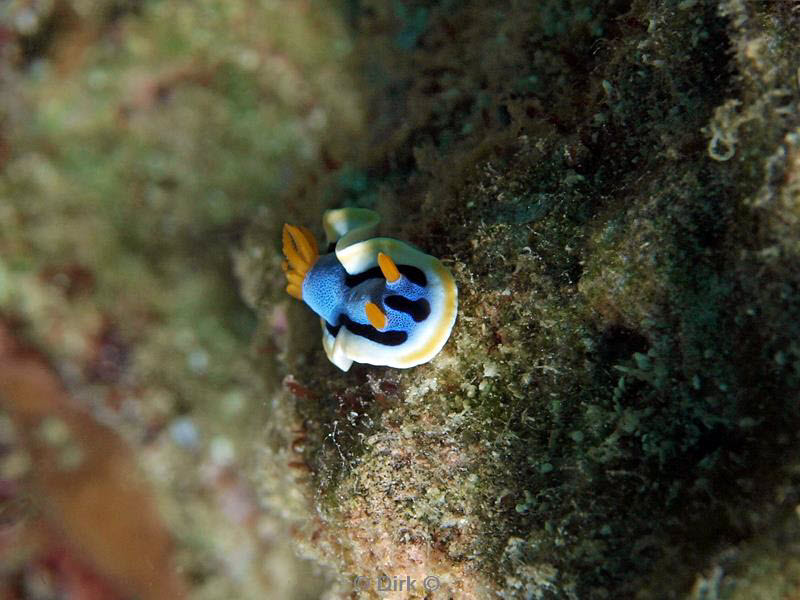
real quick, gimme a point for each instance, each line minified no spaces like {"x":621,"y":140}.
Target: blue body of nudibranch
{"x":416,"y":303}
{"x":340,"y":300}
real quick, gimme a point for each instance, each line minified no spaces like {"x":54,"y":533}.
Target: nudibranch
{"x":380,"y":301}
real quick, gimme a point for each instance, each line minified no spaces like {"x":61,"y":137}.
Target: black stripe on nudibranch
{"x":413,"y":274}
{"x":418,"y":309}
{"x":386,"y":338}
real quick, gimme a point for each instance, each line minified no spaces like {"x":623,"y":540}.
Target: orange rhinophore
{"x":301,"y":251}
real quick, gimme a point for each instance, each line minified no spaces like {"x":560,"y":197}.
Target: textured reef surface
{"x":615,"y":186}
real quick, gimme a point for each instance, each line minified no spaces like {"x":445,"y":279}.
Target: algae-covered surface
{"x":615,"y":186}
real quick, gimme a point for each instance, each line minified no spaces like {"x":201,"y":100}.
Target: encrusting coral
{"x":612,"y":185}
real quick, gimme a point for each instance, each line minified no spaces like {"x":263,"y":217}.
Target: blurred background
{"x":136,"y":140}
